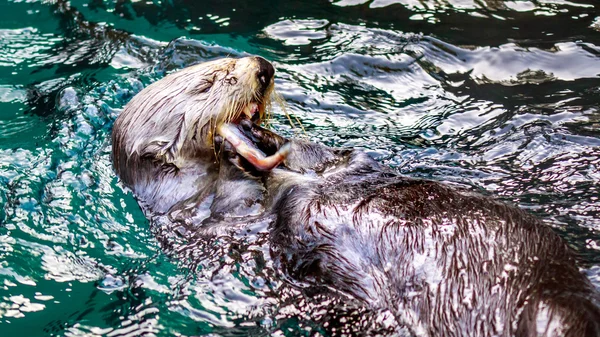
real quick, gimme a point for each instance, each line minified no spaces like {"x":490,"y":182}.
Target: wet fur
{"x":445,"y":261}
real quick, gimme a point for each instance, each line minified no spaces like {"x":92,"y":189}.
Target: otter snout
{"x":265,"y":73}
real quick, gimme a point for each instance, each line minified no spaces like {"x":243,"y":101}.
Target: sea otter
{"x":445,"y":261}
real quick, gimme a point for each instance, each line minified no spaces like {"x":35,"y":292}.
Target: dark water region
{"x":499,"y":95}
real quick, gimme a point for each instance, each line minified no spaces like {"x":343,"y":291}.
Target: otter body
{"x":445,"y":261}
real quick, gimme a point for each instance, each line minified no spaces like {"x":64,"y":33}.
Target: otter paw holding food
{"x":247,"y":149}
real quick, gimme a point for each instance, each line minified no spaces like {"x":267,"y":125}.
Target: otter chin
{"x":444,"y":261}
{"x":163,"y":139}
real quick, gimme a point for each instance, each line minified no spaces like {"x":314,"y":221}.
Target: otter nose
{"x":265,"y":73}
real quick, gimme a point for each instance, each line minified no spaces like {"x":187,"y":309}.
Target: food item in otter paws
{"x":245,"y":148}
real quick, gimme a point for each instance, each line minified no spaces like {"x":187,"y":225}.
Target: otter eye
{"x":231,"y":80}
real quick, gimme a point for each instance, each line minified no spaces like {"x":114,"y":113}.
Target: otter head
{"x":172,"y":122}
{"x":166,"y":131}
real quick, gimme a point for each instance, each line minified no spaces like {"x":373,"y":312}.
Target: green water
{"x":500,"y":95}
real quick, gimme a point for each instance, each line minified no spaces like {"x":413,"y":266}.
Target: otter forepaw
{"x":267,"y":141}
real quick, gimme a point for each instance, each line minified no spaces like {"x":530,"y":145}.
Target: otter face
{"x":233,"y":89}
{"x":172,"y":122}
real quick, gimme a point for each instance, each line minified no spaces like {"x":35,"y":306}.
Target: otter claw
{"x":245,"y":148}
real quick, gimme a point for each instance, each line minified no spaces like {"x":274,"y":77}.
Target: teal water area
{"x":500,"y":95}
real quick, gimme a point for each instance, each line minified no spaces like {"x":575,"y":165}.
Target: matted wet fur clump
{"x":442,"y":260}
